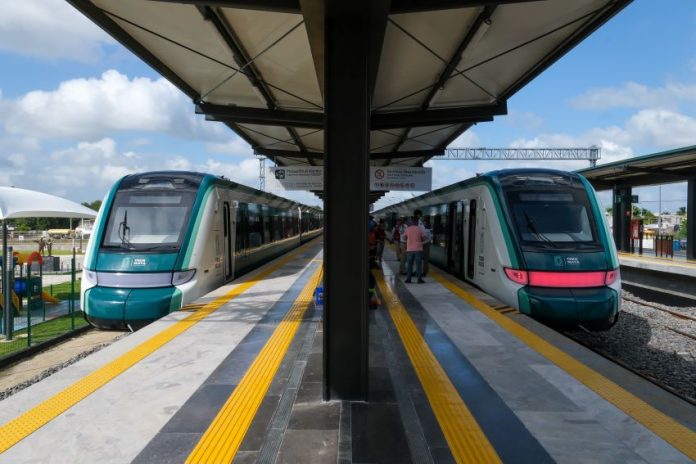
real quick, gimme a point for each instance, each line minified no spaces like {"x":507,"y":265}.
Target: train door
{"x":227,"y":239}
{"x":471,"y":248}
{"x":456,"y":248}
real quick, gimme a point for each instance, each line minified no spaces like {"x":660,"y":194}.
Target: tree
{"x":681,"y":233}
{"x":609,"y":210}
{"x":95,"y":205}
{"x":681,"y":211}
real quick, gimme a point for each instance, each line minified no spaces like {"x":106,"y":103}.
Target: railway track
{"x":654,"y":341}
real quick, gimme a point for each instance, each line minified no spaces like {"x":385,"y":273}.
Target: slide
{"x":15,"y":300}
{"x":48,"y":298}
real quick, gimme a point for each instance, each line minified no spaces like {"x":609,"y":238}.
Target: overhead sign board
{"x":381,"y":178}
{"x":400,"y":178}
{"x":299,"y":177}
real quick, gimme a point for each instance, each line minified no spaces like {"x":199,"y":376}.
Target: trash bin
{"x":675,"y":245}
{"x":319,"y":297}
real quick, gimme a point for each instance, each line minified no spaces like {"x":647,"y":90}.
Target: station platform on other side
{"x":675,"y":265}
{"x":454,"y":376}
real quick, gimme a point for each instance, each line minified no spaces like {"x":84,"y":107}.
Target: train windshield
{"x":148,"y":220}
{"x":552,"y":216}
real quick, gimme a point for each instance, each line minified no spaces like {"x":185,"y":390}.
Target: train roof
{"x":200,"y":179}
{"x":487,"y":177}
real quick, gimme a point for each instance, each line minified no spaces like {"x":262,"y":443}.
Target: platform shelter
{"x":346,"y":85}
{"x":659,"y":168}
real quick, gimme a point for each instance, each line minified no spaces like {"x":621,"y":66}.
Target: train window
{"x":551,"y":218}
{"x":148,"y":221}
{"x":254,"y":226}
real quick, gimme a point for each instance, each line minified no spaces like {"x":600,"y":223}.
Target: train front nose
{"x":590,"y":307}
{"x":118,"y":308}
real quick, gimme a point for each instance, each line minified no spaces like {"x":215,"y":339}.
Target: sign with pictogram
{"x":400,"y":178}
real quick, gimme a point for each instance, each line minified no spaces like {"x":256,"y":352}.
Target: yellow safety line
{"x":27,"y":423}
{"x":465,"y":438}
{"x":687,"y":263}
{"x":221,"y":441}
{"x":676,"y":434}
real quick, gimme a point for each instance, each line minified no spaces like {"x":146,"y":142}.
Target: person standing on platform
{"x":395,"y":238}
{"x":402,"y":246}
{"x":414,"y":250}
{"x":426,"y":245}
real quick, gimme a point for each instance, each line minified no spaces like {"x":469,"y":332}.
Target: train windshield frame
{"x":551,"y":213}
{"x":148,"y":219}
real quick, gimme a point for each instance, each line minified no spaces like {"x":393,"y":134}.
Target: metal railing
{"x":41,"y":306}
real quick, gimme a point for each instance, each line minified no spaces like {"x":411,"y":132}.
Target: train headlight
{"x":181,"y":277}
{"x":517,"y":275}
{"x":90,"y":277}
{"x":612,"y":276}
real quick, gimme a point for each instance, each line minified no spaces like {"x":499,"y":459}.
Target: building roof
{"x":441,"y":66}
{"x":659,"y":168}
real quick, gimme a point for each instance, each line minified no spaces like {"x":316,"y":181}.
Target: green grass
{"x":62,"y":290}
{"x":41,"y":333}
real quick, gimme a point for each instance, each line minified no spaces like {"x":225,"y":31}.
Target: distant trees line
{"x":25,"y":224}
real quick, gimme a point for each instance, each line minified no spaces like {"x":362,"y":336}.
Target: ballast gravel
{"x":648,"y":341}
{"x":52,"y":370}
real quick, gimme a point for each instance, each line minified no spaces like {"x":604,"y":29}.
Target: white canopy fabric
{"x":21,"y":203}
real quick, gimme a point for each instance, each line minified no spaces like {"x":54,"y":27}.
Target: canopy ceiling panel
{"x":270,"y":136}
{"x":274,"y":38}
{"x":405,"y":67}
{"x":313,"y":139}
{"x":383,"y":140}
{"x":443,"y":65}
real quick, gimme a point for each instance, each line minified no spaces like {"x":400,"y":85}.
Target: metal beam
{"x":437,"y":117}
{"x":272,"y":154}
{"x":245,"y":62}
{"x":295,"y":6}
{"x":483,"y":18}
{"x":269,"y":117}
{"x":415,"y":6}
{"x":283,"y":6}
{"x":261,"y":116}
{"x":313,"y":15}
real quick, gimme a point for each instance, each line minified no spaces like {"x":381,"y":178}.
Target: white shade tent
{"x":20,"y":203}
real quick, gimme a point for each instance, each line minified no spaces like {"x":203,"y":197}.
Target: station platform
{"x":676,"y":265}
{"x":669,"y":280}
{"x":454,"y":377}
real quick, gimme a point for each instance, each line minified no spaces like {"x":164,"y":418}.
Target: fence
{"x":42,"y":305}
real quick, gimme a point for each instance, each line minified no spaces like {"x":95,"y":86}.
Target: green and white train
{"x":163,"y":239}
{"x":536,"y":239}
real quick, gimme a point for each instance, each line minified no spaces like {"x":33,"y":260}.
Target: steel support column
{"x":347,"y":133}
{"x":621,"y":213}
{"x":691,"y":220}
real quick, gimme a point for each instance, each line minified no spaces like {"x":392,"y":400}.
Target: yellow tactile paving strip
{"x":674,"y":433}
{"x":22,"y":426}
{"x":466,"y":440}
{"x":219,"y":444}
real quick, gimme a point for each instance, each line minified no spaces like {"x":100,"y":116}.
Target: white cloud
{"x":635,"y":95}
{"x":467,"y":139}
{"x":523,"y":120}
{"x":50,"y":29}
{"x":235,"y":146}
{"x":96,"y":107}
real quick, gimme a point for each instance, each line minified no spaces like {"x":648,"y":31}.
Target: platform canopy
{"x":439,"y":66}
{"x":658,"y":168}
{"x":20,"y":203}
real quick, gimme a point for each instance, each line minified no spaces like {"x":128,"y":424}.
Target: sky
{"x":78,"y":110}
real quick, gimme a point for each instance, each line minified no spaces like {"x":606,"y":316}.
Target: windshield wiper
{"x":124,"y":232}
{"x":532,"y":227}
